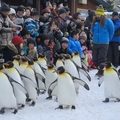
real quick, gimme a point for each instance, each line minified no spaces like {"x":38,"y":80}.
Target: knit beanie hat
{"x":12,"y":11}
{"x":16,"y":40}
{"x":64,"y":40}
{"x":100,"y":10}
{"x":24,"y":32}
{"x":5,"y":8}
{"x":19,"y":8}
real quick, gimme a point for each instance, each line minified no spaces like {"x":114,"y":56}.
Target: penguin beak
{"x":5,"y":64}
{"x":57,"y":71}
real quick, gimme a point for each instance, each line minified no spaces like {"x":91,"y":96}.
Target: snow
{"x":89,"y":106}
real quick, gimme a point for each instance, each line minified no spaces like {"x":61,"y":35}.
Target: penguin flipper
{"x":81,"y":82}
{"x":85,"y":73}
{"x":28,"y":80}
{"x":84,"y":66}
{"x":41,"y":84}
{"x":100,"y":81}
{"x":40,"y":77}
{"x":52,"y":87}
{"x":18,"y":85}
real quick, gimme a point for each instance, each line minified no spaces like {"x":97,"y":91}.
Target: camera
{"x":18,"y":28}
{"x":5,"y":25}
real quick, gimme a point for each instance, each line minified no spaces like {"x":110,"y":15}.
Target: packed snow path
{"x":89,"y":107}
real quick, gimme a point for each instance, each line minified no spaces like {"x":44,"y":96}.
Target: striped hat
{"x":100,"y":10}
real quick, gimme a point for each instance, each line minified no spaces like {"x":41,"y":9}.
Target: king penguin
{"x":42,"y":61}
{"x":7,"y":99}
{"x":76,"y":59}
{"x":16,"y":61}
{"x":32,"y":90}
{"x":59,"y":62}
{"x":40,"y":75}
{"x":66,"y":89}
{"x":14,"y":75}
{"x":111,"y":82}
{"x":50,"y":77}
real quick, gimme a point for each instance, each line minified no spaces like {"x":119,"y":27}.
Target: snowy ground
{"x":89,"y":107}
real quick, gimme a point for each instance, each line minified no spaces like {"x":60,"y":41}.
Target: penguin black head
{"x":61,"y":70}
{"x":9,"y":64}
{"x":50,"y":65}
{"x":35,"y":59}
{"x":76,"y":53}
{"x":17,"y":57}
{"x":107,"y":64}
{"x":67,"y":56}
{"x":41,"y":55}
{"x":1,"y":66}
{"x":30,"y":61}
{"x":60,"y":57}
{"x":24,"y":59}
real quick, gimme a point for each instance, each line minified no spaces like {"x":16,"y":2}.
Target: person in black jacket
{"x":12,"y":49}
{"x":63,"y":50}
{"x":88,"y":24}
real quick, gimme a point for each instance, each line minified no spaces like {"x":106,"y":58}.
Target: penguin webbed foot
{"x":2,"y":111}
{"x":73,"y":107}
{"x":32,"y":104}
{"x":22,"y":106}
{"x":106,"y":100}
{"x":56,"y":99}
{"x":118,"y":100}
{"x":28,"y":100}
{"x":43,"y":92}
{"x":15,"y":111}
{"x":49,"y":98}
{"x":38,"y":92}
{"x":60,"y":107}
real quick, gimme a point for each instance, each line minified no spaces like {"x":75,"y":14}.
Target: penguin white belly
{"x":112,"y":85}
{"x":13,"y":73}
{"x":38,"y":70}
{"x":59,"y":63}
{"x":66,"y":90}
{"x":22,"y":68}
{"x":7,"y":99}
{"x":50,"y":77}
{"x":20,"y":96}
{"x":77,"y":60}
{"x":16,"y":64}
{"x":42,"y":62}
{"x":28,"y":72}
{"x":71,"y":68}
{"x":31,"y":90}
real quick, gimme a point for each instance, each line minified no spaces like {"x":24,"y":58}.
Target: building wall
{"x":91,"y":4}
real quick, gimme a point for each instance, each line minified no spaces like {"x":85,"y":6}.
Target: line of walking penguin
{"x":23,"y":79}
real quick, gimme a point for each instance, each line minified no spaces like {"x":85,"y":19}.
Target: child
{"x":31,"y":52}
{"x":74,"y":45}
{"x":63,"y":50}
{"x":46,"y":48}
{"x":86,"y":53}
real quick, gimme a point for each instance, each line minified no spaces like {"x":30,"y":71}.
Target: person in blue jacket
{"x":113,"y":52}
{"x":103,"y":30}
{"x":32,"y":25}
{"x":73,"y":44}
